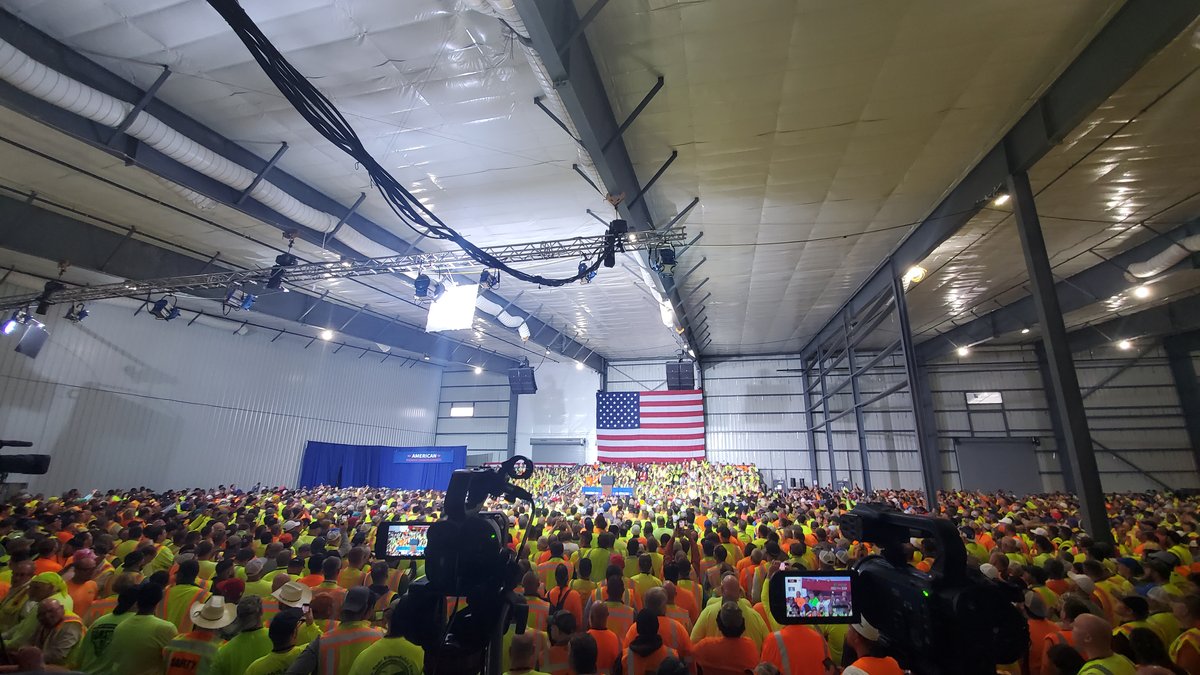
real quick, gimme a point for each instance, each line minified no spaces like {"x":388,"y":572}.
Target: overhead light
{"x":1125,"y":345}
{"x":963,"y":351}
{"x":238,"y":300}
{"x":691,"y":352}
{"x":633,"y":237}
{"x":1000,"y":199}
{"x":164,"y":309}
{"x":425,"y":357}
{"x":326,"y":334}
{"x":585,"y":277}
{"x":578,"y":366}
{"x":914,"y":275}
{"x":664,"y":262}
{"x":547,"y":351}
{"x":1024,"y":331}
{"x":76,"y":314}
{"x":1141,"y":292}
{"x":478,"y":370}
{"x":489,"y":278}
{"x":453,"y":309}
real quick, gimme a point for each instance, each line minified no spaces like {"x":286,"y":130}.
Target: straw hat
{"x":293,"y":594}
{"x":213,"y":613}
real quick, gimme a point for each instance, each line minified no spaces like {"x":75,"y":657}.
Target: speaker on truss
{"x":681,"y":376}
{"x":520,"y":380}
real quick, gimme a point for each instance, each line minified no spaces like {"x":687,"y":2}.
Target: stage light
{"x":43,"y":301}
{"x":76,"y":314}
{"x":963,"y":351}
{"x":478,"y":370}
{"x":578,"y":366}
{"x":165,"y":309}
{"x":282,"y":262}
{"x":1141,"y":292}
{"x":326,"y":335}
{"x":20,"y":317}
{"x":238,"y":300}
{"x":453,"y":310}
{"x":587,"y":276}
{"x":1000,"y":199}
{"x":1024,"y":331}
{"x":664,"y":262}
{"x":1125,"y":345}
{"x":614,"y":240}
{"x":489,"y":278}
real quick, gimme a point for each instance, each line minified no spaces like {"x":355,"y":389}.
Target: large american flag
{"x":649,"y":426}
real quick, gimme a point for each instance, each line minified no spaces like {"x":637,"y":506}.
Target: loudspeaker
{"x":681,"y":375}
{"x":520,"y":380}
{"x":793,"y":482}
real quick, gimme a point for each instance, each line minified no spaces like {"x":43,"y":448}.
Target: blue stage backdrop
{"x":380,"y":466}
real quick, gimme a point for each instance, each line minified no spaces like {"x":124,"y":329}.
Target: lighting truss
{"x":444,"y":262}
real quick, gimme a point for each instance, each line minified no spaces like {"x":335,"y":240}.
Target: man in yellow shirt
{"x":284,"y":652}
{"x":394,"y":653}
{"x":137,"y":643}
{"x":645,"y":579}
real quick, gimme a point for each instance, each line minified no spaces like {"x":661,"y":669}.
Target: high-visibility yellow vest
{"x":341,"y":646}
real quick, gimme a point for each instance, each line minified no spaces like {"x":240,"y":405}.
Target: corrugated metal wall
{"x":1132,"y":409}
{"x":485,"y":434}
{"x":564,"y":407}
{"x":122,"y":400}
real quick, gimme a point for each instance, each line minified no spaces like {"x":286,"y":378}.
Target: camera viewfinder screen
{"x":818,"y":597}
{"x":406,"y":541}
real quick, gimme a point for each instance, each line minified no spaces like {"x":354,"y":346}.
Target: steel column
{"x":513,"y":401}
{"x":812,"y":436}
{"x":1183,"y":370}
{"x":918,"y":392}
{"x":858,"y":413}
{"x":1060,"y":438}
{"x":1061,"y":366}
{"x":827,"y":425}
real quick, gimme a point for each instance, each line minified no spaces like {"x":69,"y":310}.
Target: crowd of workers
{"x":274,"y":581}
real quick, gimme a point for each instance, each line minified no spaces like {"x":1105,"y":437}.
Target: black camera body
{"x":466,"y":558}
{"x":940,"y":623}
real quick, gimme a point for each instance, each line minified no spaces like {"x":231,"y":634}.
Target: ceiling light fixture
{"x":1125,"y":345}
{"x":963,"y":351}
{"x":478,"y":370}
{"x":578,"y":366}
{"x":1000,"y":199}
{"x":327,"y":335}
{"x":914,"y":275}
{"x":1024,"y":331}
{"x":425,"y":357}
{"x":76,"y":314}
{"x":1141,"y":292}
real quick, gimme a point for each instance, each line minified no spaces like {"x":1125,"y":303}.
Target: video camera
{"x":940,"y":623}
{"x":465,"y":557}
{"x":30,"y":464}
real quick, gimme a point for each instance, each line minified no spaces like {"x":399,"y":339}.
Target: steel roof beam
{"x":30,"y":230}
{"x":1075,"y":292}
{"x":1173,"y":318}
{"x":65,"y":60}
{"x":1135,"y":34}
{"x":553,"y":27}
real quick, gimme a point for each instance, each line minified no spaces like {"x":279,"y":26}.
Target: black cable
{"x":321,"y":113}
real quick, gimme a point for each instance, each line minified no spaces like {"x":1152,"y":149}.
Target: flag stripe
{"x":658,"y":426}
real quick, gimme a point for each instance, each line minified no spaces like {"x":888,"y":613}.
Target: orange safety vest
{"x":270,"y":610}
{"x":681,"y":615}
{"x":693,"y":588}
{"x":601,"y":595}
{"x":340,"y":647}
{"x":878,"y":666}
{"x":556,"y":662}
{"x":791,"y":654}
{"x":632,"y":664}
{"x":98,"y":609}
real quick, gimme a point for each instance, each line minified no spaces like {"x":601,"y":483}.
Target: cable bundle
{"x":330,"y":123}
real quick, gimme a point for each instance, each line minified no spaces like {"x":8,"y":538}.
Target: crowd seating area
{"x":672,"y":580}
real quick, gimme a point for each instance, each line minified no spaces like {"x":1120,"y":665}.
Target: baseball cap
{"x":989,"y":570}
{"x":1035,"y":605}
{"x":1084,"y":582}
{"x":358,"y":599}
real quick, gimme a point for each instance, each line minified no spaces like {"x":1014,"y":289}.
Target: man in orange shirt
{"x":673,"y":634}
{"x":1039,"y":629}
{"x":730,"y":653}
{"x":608,"y":645}
{"x":646,"y":651}
{"x":82,"y":589}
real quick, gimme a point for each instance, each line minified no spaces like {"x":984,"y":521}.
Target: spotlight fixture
{"x":1024,"y":331}
{"x":1000,"y":199}
{"x":425,"y":357}
{"x":326,"y":334}
{"x":425,"y":288}
{"x":20,"y":317}
{"x":282,"y":262}
{"x":1125,"y":345}
{"x":963,"y":351}
{"x":578,"y":365}
{"x":165,"y":309}
{"x":478,"y":370}
{"x":1141,"y":292}
{"x":489,"y":278}
{"x":76,"y":314}
{"x":586,"y":278}
{"x":547,"y":351}
{"x":238,"y":300}
{"x":664,"y":262}
{"x":43,"y":300}
{"x":614,"y":240}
